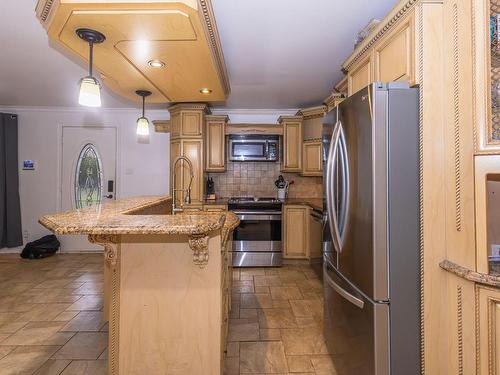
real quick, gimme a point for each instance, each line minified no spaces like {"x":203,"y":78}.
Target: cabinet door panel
{"x":215,"y":146}
{"x":191,"y":124}
{"x":295,"y":228}
{"x":193,"y":150}
{"x":175,"y":152}
{"x":292,"y":140}
{"x":489,"y":331}
{"x":360,"y":76}
{"x":394,"y":55}
{"x":312,"y":164}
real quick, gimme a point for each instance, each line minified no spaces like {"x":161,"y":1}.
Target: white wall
{"x":142,"y":169}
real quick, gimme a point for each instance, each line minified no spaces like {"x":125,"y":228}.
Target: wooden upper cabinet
{"x":192,"y":124}
{"x":360,"y":76}
{"x":292,"y":143}
{"x":215,"y":143}
{"x":312,"y":163}
{"x":394,"y":54}
{"x":186,"y":120}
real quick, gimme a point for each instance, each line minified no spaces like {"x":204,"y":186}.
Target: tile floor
{"x":51,"y":319}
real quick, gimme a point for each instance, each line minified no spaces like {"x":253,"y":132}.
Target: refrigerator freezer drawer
{"x":356,"y":329}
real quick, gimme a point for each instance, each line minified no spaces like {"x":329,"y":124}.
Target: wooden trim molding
{"x":254,"y":129}
{"x":312,"y":112}
{"x":460,"y":338}
{"x":224,"y":118}
{"x":189,"y":107}
{"x":43,"y":9}
{"x":109,"y":241}
{"x":161,"y":126}
{"x":333,"y":99}
{"x":111,"y":245}
{"x":210,"y":26}
{"x":398,"y":12}
{"x":290,"y":118}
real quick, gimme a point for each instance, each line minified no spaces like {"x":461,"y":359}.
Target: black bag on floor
{"x":41,"y":248}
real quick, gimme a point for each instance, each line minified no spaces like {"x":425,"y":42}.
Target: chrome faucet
{"x":187,"y":199}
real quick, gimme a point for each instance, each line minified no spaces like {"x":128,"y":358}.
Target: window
{"x":88,"y":177}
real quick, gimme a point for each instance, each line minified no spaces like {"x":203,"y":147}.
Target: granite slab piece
{"x":469,"y":274}
{"x":138,"y":215}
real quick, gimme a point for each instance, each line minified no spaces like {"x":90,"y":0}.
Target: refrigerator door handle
{"x":348,"y":296}
{"x":345,"y":185}
{"x":330,"y":205}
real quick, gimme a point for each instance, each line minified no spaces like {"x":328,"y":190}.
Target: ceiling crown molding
{"x":312,"y":112}
{"x":224,"y":118}
{"x":189,"y":107}
{"x":290,"y":118}
{"x":333,"y":99}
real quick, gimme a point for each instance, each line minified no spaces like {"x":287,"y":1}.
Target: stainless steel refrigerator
{"x":371,"y":232}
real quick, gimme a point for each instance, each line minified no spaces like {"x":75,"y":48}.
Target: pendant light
{"x":142,"y":122}
{"x":90,"y":89}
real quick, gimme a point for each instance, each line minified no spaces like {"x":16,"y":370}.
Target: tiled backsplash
{"x":257,"y":179}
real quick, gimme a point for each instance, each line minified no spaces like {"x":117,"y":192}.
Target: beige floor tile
{"x":285,"y":292}
{"x":39,"y":333}
{"x":256,"y":301}
{"x":3,"y":336}
{"x":104,"y":354}
{"x":99,"y":367}
{"x":24,"y":360}
{"x":53,"y":367}
{"x":233,"y":349}
{"x":89,"y":302}
{"x":270,"y":334}
{"x":302,"y":341}
{"x":323,"y":365}
{"x":66,"y":316}
{"x":262,"y":290}
{"x":11,"y":327}
{"x":85,"y":321}
{"x":276,"y":318}
{"x":5,"y":349}
{"x":243,"y":286}
{"x":232,"y":366}
{"x":268,"y":280}
{"x":299,"y":363}
{"x":262,"y":357}
{"x":43,"y":312}
{"x":53,"y":296}
{"x":243,"y":332}
{"x":90,"y":288}
{"x":84,"y":345}
{"x":248,"y":313}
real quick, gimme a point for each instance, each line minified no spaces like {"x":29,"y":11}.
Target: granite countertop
{"x":218,"y":201}
{"x":468,"y":274}
{"x":138,"y":215}
{"x":315,"y":203}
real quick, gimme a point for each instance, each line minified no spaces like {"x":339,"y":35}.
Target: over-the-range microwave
{"x":250,"y":147}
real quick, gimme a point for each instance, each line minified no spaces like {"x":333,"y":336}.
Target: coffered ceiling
{"x":278,"y":53}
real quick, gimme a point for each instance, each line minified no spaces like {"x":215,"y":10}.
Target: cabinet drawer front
{"x":394,"y":55}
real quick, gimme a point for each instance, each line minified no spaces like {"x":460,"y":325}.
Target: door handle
{"x":331,"y":210}
{"x":348,"y":296}
{"x":109,"y":196}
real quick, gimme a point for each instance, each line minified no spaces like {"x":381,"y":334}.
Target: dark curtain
{"x":10,"y":210}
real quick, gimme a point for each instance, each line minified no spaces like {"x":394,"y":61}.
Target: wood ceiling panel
{"x":140,"y":31}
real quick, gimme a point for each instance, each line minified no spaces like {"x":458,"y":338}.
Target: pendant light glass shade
{"x":90,"y":92}
{"x":142,"y":126}
{"x":90,"y":89}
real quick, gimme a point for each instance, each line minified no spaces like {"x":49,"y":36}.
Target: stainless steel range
{"x":257,"y":240}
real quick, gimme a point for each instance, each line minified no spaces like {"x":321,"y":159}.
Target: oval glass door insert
{"x":88,"y":177}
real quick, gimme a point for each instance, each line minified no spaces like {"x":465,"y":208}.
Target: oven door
{"x":247,"y":149}
{"x":257,"y":232}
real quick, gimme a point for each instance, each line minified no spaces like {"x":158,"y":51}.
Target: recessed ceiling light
{"x":205,"y":91}
{"x":156,"y":63}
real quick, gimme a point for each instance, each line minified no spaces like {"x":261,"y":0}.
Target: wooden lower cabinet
{"x":301,"y":233}
{"x":488,"y":314}
{"x":312,"y":163}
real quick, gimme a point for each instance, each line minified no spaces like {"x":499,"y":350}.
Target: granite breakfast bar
{"x":167,"y":283}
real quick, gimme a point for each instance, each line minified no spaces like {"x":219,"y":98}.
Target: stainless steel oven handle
{"x":244,"y":217}
{"x":348,"y":296}
{"x":256,"y":212}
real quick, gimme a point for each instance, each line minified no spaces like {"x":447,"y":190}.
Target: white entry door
{"x":88,"y":175}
